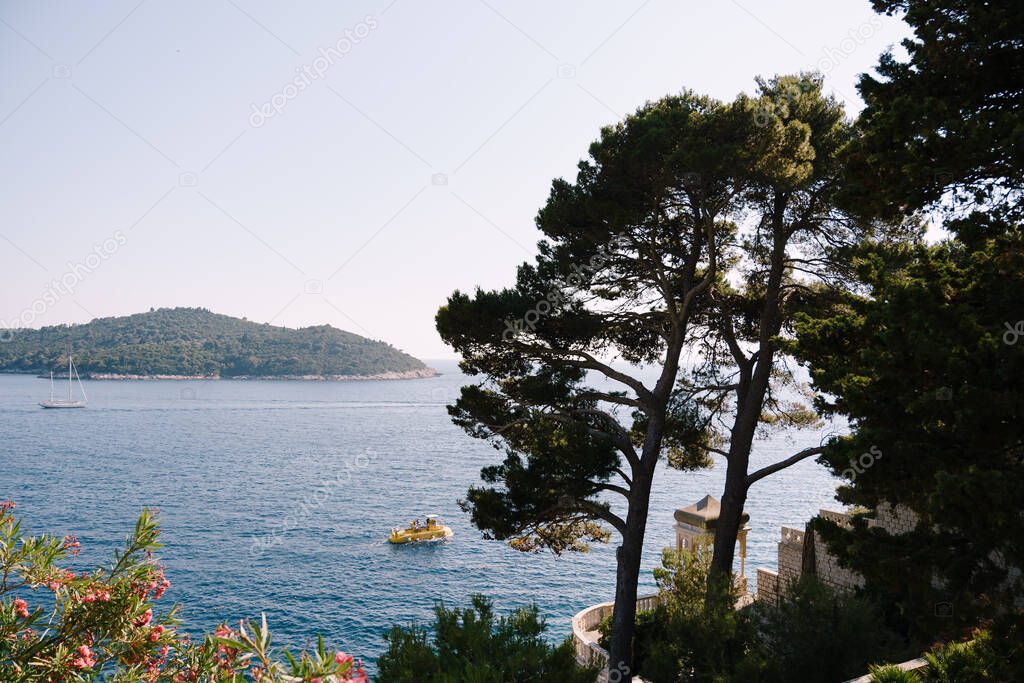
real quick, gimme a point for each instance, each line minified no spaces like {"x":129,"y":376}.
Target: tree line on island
{"x":196,"y":342}
{"x":749,"y":237}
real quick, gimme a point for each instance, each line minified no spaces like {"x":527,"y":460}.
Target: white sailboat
{"x":69,"y":402}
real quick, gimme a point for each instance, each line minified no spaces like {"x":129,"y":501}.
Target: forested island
{"x":195,"y":342}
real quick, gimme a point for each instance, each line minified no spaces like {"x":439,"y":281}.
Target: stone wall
{"x":796,"y":552}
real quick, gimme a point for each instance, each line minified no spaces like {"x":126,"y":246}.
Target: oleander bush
{"x":57,"y":624}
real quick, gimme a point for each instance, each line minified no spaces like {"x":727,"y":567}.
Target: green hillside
{"x":194,"y":341}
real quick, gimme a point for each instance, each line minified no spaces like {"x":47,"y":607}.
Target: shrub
{"x":890,"y":673}
{"x":971,"y":660}
{"x":58,"y":625}
{"x":816,"y":634}
{"x":692,"y":636}
{"x":993,"y":653}
{"x":472,"y":644}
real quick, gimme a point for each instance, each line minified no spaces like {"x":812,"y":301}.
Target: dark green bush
{"x":472,"y":644}
{"x":816,"y":634}
{"x":813,"y":635}
{"x":994,"y":653}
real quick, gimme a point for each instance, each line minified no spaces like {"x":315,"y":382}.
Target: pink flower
{"x":71,"y":544}
{"x":21,"y":607}
{"x":144,"y":619}
{"x":155,"y":634}
{"x":342,"y":658}
{"x":86,"y":660}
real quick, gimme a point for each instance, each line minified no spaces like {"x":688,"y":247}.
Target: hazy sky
{"x":348,"y":163}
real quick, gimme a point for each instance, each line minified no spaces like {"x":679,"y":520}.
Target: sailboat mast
{"x":69,"y":373}
{"x":51,"y":386}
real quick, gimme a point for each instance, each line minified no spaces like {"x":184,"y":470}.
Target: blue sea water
{"x":276,"y":497}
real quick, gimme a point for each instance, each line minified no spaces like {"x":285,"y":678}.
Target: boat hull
{"x":62,"y":404}
{"x":404,"y":536}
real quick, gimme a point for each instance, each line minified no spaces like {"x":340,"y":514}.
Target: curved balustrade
{"x":585,"y":636}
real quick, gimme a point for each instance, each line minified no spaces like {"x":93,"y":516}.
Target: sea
{"x":276,"y":497}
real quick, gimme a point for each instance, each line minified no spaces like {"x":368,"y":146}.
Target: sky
{"x":342,"y":163}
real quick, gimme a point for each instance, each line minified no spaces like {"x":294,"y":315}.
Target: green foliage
{"x":688,"y":637}
{"x":815,"y":634}
{"x":970,"y":660}
{"x":549,"y":491}
{"x":993,"y":653}
{"x":890,"y":673}
{"x":473,"y":645}
{"x":926,"y":365}
{"x":946,"y":122}
{"x":194,"y":341}
{"x":924,"y":369}
{"x":703,"y":637}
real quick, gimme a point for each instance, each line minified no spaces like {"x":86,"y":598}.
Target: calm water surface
{"x":276,"y":497}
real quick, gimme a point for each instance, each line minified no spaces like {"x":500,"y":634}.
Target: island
{"x":195,"y":343}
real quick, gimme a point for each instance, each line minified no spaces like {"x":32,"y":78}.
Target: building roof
{"x":704,"y":514}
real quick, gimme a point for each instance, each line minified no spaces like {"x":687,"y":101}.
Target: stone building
{"x":695,"y":525}
{"x":800,"y":553}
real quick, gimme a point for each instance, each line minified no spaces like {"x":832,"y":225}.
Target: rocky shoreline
{"x":422,"y":373}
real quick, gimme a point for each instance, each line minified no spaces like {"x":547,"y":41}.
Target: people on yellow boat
{"x":432,"y":529}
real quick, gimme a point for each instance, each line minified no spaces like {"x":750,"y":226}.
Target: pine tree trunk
{"x":748,"y":413}
{"x":729,"y":519}
{"x":627,"y":575}
{"x":734,"y":497}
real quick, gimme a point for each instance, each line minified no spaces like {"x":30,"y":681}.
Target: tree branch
{"x":624,"y":492}
{"x":783,"y":464}
{"x":603,"y":513}
{"x":589,"y":362}
{"x":620,"y":440}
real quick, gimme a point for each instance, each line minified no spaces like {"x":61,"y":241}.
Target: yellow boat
{"x":433,"y":530}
